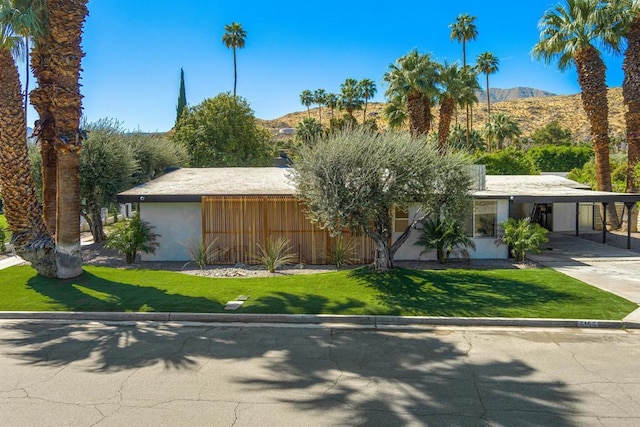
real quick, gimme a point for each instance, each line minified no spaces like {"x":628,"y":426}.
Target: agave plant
{"x":200,"y":253}
{"x":275,"y":253}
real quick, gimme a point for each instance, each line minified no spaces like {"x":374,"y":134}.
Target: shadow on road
{"x":380,"y":378}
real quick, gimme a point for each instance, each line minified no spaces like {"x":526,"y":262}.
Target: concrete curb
{"x":372,"y":322}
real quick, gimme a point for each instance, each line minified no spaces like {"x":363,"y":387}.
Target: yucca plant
{"x":446,"y":236}
{"x":200,"y":252}
{"x":130,"y":237}
{"x":523,"y":236}
{"x":275,"y":253}
{"x":343,"y":252}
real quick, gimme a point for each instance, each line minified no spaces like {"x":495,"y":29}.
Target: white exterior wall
{"x":564,"y":217}
{"x":177,"y":224}
{"x":486,"y":247}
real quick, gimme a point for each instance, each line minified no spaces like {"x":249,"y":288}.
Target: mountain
{"x":531,"y":113}
{"x":498,"y":95}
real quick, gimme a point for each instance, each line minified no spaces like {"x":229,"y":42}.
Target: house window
{"x":400,"y":219}
{"x":483,"y":221}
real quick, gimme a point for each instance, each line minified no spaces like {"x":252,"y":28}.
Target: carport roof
{"x":190,"y":184}
{"x":546,"y":189}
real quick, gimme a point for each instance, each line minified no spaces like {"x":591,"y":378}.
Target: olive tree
{"x":354,"y":179}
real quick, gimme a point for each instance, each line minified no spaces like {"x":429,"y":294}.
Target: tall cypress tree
{"x":182,"y":98}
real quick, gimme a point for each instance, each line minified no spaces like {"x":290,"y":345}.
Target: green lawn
{"x":502,"y":293}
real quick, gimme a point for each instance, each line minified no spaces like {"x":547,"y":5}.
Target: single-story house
{"x":235,"y":209}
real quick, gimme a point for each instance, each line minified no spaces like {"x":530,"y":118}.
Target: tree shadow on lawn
{"x":455,"y":293}
{"x":369,"y":377}
{"x":92,"y":293}
{"x":287,"y":303}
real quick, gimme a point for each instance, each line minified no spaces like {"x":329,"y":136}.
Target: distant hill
{"x":497,"y":94}
{"x":530,"y":112}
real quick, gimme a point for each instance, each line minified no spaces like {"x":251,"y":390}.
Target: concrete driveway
{"x":606,"y":267}
{"x":93,"y":374}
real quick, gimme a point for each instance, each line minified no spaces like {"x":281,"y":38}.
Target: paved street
{"x":55,"y":374}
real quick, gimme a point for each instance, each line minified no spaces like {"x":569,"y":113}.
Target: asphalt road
{"x":86,"y":374}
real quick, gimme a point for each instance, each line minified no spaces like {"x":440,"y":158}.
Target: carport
{"x":552,"y":190}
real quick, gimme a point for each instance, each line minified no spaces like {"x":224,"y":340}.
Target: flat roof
{"x":546,"y":189}
{"x":190,"y":184}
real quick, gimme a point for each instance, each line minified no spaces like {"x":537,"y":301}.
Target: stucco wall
{"x":177,"y":224}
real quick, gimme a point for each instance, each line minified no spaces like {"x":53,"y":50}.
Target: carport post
{"x":577,"y":219}
{"x":629,"y":206}
{"x":604,"y":221}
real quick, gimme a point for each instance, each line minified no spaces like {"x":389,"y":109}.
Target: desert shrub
{"x":343,"y":252}
{"x":560,"y":158}
{"x":509,"y":161}
{"x":446,"y":236}
{"x":132,"y":236}
{"x":200,"y":252}
{"x":275,"y":253}
{"x":523,"y":236}
{"x":618,"y":164}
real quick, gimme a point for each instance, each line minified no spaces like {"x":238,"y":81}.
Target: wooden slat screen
{"x":239,"y":224}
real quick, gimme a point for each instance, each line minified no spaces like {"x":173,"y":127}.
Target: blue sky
{"x":135,"y":49}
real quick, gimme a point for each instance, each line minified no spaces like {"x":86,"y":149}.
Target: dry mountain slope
{"x":531,"y":113}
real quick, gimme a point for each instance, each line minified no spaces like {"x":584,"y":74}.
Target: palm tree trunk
{"x":364,"y":113}
{"x":22,"y":210}
{"x":591,"y":77}
{"x":488,"y":99}
{"x":235,"y":72}
{"x":42,"y":65}
{"x":62,"y":101}
{"x":446,"y":111}
{"x":417,"y":114}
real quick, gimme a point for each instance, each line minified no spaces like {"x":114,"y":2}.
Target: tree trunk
{"x":383,"y":260}
{"x":68,"y":254}
{"x":418,"y":125}
{"x":591,"y":76}
{"x":631,"y":94}
{"x":446,"y":111}
{"x":97,"y":230}
{"x":22,"y":210}
{"x":235,"y":73}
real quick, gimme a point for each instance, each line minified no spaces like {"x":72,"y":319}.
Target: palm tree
{"x":234,"y":38}
{"x":457,"y":88}
{"x":350,"y":96}
{"x":319,"y":98}
{"x":501,"y":128}
{"x":567,"y":34}
{"x":368,"y":89}
{"x":59,"y":103}
{"x":413,"y":78}
{"x":395,"y":112}
{"x":31,"y":239}
{"x":331,"y":100}
{"x":487,"y":63}
{"x":306,"y":99}
{"x":462,"y":30}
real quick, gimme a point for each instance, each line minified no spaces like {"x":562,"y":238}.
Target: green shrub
{"x":523,"y":236}
{"x":275,"y":253}
{"x":618,"y":164}
{"x":560,"y":158}
{"x":509,"y":161}
{"x":446,"y":236}
{"x":343,"y":252}
{"x":3,"y":239}
{"x":132,"y":236}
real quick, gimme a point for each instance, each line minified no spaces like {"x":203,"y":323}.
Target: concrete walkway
{"x":608,"y":268}
{"x":11,"y":261}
